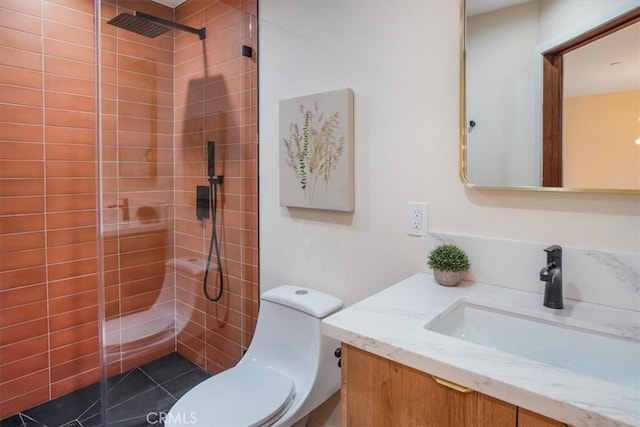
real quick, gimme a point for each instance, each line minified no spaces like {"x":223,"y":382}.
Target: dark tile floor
{"x":135,"y":398}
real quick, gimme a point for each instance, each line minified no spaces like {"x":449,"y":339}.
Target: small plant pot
{"x":448,"y":278}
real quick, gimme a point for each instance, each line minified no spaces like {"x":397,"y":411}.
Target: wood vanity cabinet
{"x":379,"y":392}
{"x":527,"y":418}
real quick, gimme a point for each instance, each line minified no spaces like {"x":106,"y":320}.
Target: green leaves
{"x":315,"y":153}
{"x":448,"y":257}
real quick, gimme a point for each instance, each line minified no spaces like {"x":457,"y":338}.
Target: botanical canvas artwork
{"x":316,"y":151}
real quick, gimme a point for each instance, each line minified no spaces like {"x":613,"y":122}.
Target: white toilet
{"x":289,"y":369}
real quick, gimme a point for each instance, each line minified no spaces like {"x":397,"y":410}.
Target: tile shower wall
{"x":48,"y":250}
{"x":137,"y":160}
{"x":218,"y":105}
{"x":48,"y":263}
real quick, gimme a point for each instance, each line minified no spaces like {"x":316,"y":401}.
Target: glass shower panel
{"x":215,"y":102}
{"x":163,"y":100}
{"x":137,"y":189}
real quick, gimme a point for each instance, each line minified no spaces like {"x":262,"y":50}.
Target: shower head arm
{"x":202,"y":32}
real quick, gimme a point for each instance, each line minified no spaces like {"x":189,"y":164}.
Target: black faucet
{"x":552,"y":276}
{"x":124,"y":207}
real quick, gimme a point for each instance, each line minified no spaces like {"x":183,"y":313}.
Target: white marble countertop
{"x":391,"y":324}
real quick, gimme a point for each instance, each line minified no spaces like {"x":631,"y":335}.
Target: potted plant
{"x":449,"y":263}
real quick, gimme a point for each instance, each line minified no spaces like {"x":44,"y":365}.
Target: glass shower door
{"x":163,"y":100}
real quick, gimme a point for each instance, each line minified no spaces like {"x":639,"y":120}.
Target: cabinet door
{"x":531,"y":419}
{"x":380,"y":392}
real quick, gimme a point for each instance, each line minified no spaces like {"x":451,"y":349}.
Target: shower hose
{"x":213,"y":197}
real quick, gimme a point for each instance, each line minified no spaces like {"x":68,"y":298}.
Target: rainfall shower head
{"x":151,"y":26}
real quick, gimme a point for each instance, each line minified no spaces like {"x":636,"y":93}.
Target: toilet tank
{"x":288,"y":339}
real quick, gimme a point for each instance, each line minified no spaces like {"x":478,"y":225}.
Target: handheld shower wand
{"x":211,"y":159}
{"x":214,"y":181}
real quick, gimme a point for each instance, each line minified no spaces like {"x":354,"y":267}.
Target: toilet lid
{"x":246,"y":395}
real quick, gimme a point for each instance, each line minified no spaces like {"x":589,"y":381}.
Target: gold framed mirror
{"x":550,"y":95}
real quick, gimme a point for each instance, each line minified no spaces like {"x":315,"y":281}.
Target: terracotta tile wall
{"x":217,"y":104}
{"x":48,"y":263}
{"x":48,"y":232}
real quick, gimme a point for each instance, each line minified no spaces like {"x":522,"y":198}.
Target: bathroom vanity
{"x":379,"y":391}
{"x":418,"y":353}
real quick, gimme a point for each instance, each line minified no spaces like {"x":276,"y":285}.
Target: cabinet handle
{"x":449,"y":384}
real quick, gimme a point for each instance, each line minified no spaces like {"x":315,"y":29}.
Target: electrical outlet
{"x":417,"y":219}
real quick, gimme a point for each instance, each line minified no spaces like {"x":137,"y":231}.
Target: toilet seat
{"x":245,"y":395}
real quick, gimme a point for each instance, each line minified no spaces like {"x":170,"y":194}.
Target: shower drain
{"x":74,"y":423}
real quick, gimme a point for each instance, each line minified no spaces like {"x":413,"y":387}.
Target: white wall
{"x":503,"y":147}
{"x":560,"y":21}
{"x":401,"y":59}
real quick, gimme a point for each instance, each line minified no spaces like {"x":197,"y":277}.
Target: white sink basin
{"x":594,"y":353}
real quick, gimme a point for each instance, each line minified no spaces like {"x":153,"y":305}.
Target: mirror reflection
{"x":552,"y":94}
{"x":601,"y":112}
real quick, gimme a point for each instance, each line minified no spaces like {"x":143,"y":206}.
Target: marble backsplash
{"x":595,"y":276}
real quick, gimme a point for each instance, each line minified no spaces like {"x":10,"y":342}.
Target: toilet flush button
{"x":302,"y":292}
